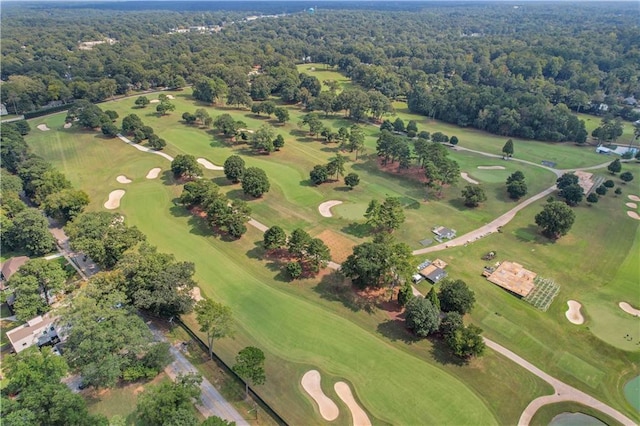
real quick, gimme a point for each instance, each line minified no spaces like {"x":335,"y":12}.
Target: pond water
{"x":575,"y":419}
{"x":632,"y":392}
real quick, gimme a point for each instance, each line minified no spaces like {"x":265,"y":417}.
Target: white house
{"x":37,"y":331}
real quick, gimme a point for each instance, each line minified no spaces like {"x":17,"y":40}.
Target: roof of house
{"x":442,"y":231}
{"x":33,"y":327}
{"x":513,"y":277}
{"x":433,"y":273}
{"x":11,"y":266}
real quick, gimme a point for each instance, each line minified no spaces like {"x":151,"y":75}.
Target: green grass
{"x":592,"y":121}
{"x":581,"y":369}
{"x":306,"y":325}
{"x":322,"y":73}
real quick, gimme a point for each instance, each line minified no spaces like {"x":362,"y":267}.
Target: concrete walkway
{"x":211,"y":402}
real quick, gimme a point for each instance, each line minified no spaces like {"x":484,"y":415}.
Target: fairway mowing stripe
{"x":580,"y":369}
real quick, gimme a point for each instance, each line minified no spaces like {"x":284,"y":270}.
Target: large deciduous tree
{"x":29,"y":231}
{"x":615,"y":166}
{"x":507,"y":149}
{"x":234,"y":168}
{"x":215,"y":319}
{"x":250,"y":366}
{"x":422,"y":317}
{"x":170,"y":403}
{"x":555,"y":219}
{"x":274,"y":238}
{"x":456,"y":296}
{"x":255,"y":182}
{"x":473,"y":195}
{"x":185,"y":165}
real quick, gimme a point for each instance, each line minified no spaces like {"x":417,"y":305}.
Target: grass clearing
{"x":581,"y":370}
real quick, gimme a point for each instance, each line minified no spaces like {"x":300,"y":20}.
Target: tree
{"x":517,"y":189}
{"x":282,"y":114}
{"x":412,"y":126}
{"x":318,"y":252}
{"x":29,"y":232}
{"x":439,"y":137}
{"x":601,"y":190}
{"x":566,"y":180}
{"x":432,"y":296}
{"x":298,"y":243}
{"x":184,"y":165}
{"x":155,"y":282}
{"x":609,"y":183}
{"x":142,"y":101}
{"x":387,"y":216}
{"x":516,"y":176}
{"x":156,"y":142}
{"x":131,"y":123}
{"x":507,"y":149}
{"x":337,"y":165}
{"x":278,"y":142}
{"x":227,"y":125}
{"x":356,"y":140}
{"x":274,"y":238}
{"x":49,"y":276}
{"x":294,"y":269}
{"x":103,"y":236}
{"x":262,"y":139}
{"x":405,"y":294}
{"x":466,"y":342}
{"x":234,"y":168}
{"x":28,"y":297}
{"x":614,"y":167}
{"x":164,"y":107}
{"x":454,"y":140}
{"x":592,"y":198}
{"x":255,"y":182}
{"x":109,"y":129}
{"x":572,"y":194}
{"x":618,"y":191}
{"x":456,"y":296}
{"x":215,"y":319}
{"x":238,"y":96}
{"x":319,"y":174}
{"x":170,"y":403}
{"x":209,"y":90}
{"x":106,"y":339}
{"x":451,"y":322}
{"x":421,"y":316}
{"x":473,"y":195}
{"x":352,"y":180}
{"x":398,"y":125}
{"x":378,"y":263}
{"x":626,"y":177}
{"x":555,"y":219}
{"x":250,"y":366}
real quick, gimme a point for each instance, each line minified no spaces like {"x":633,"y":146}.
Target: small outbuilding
{"x":432,"y":271}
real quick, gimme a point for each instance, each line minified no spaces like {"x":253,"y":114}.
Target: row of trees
{"x":132,"y":125}
{"x":322,"y":173}
{"x":24,"y":228}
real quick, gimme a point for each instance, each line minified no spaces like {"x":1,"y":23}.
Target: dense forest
{"x":510,"y":70}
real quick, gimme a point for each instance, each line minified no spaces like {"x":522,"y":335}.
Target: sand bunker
{"x":154,"y":101}
{"x":466,"y":177}
{"x":629,"y":309}
{"x":311,"y":384}
{"x":114,"y":199}
{"x":633,"y":215}
{"x":358,"y":415}
{"x":67,"y":125}
{"x":123,"y":179}
{"x":195,"y":294}
{"x":170,"y":97}
{"x":634,"y":198}
{"x":208,"y":164}
{"x":43,"y":127}
{"x":325,"y":208}
{"x":491,"y":167}
{"x":153,"y":173}
{"x":632,"y":205}
{"x":573,"y":314}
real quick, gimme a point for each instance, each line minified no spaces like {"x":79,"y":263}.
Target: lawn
{"x":309,"y":325}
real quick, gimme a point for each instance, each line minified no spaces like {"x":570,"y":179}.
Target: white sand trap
{"x":634,"y":198}
{"x":154,"y":101}
{"x":491,"y":167}
{"x":67,"y":125}
{"x":633,"y":215}
{"x":311,"y":384}
{"x":208,"y":164}
{"x":358,"y":415}
{"x":43,"y":127}
{"x":153,"y":173}
{"x":466,"y":177}
{"x":325,"y":208}
{"x":629,"y":309}
{"x":170,"y":97}
{"x":573,"y":314}
{"x":114,"y":199}
{"x":632,"y":205}
{"x":123,"y":179}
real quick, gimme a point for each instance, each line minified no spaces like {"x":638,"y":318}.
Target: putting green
{"x":352,"y":211}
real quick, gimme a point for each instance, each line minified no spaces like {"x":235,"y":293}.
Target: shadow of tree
{"x":531,"y":233}
{"x":167,"y":178}
{"x":359,"y":230}
{"x":442,"y":353}
{"x":342,"y":189}
{"x":335,"y":288}
{"x":394,"y":330}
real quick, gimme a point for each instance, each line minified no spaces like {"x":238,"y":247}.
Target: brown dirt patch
{"x":339,"y":246}
{"x":415,"y":173}
{"x":138,"y":390}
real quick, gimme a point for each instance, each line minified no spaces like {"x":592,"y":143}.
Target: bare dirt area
{"x":339,"y":246}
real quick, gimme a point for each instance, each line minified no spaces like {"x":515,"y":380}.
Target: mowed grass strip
{"x":580,"y":369}
{"x":296,"y":330}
